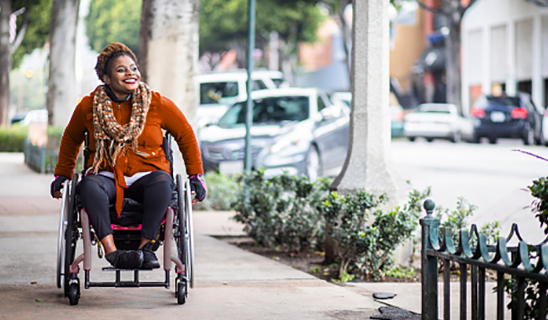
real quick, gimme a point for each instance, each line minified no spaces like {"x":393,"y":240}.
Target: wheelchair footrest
{"x":118,"y":283}
{"x":126,"y":270}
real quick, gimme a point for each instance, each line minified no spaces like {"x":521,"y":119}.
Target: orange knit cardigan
{"x":162,"y":114}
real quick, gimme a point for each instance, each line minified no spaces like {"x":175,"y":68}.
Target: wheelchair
{"x":74,"y":225}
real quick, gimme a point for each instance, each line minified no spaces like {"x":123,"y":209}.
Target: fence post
{"x":429,"y":264}
{"x":42,"y":151}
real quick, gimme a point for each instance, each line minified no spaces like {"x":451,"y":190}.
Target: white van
{"x":220,"y":90}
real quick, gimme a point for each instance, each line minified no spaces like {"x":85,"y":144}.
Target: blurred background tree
{"x":37,"y":31}
{"x":453,"y":11}
{"x":222,"y":28}
{"x":61,"y":94}
{"x":32,"y":32}
{"x":114,"y":21}
{"x":223,"y":25}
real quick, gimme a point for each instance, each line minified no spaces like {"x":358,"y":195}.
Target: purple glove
{"x":57,"y":185}
{"x":197,"y":185}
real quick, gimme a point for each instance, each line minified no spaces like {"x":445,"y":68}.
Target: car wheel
{"x":475,"y":139}
{"x":313,"y":164}
{"x":492,"y":140}
{"x":529,"y":138}
{"x":457,"y":137}
{"x":411,"y":139}
{"x":429,"y":139}
{"x":541,"y":141}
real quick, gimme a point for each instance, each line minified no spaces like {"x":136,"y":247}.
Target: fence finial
{"x":429,"y":206}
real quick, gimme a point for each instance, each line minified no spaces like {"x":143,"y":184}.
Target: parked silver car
{"x":438,"y":121}
{"x":219,"y":90}
{"x":295,"y":130}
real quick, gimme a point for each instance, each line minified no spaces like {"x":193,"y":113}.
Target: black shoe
{"x":150,"y":260}
{"x":126,"y":259}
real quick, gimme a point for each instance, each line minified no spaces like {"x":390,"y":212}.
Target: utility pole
{"x":249,"y":105}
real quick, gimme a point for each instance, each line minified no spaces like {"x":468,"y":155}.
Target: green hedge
{"x":222,"y":191}
{"x":12,"y":139}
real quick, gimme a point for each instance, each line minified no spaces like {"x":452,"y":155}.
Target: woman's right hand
{"x":57,"y":185}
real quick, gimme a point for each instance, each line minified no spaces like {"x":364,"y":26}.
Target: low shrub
{"x":531,"y":306}
{"x":539,"y":190}
{"x":456,"y":220}
{"x":221,"y":192}
{"x":365,"y":235}
{"x":532,"y":287}
{"x":12,"y":139}
{"x":281,"y":211}
{"x":54,"y":137}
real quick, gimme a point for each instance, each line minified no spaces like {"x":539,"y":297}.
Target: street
{"x":492,"y":177}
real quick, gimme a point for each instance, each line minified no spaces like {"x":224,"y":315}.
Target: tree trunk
{"x":368,"y":162}
{"x":144,"y":37}
{"x":172,"y":54}
{"x":61,"y":96}
{"x":172,"y":51}
{"x":5,"y":61}
{"x":453,"y":72}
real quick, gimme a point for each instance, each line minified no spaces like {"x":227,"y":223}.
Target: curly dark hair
{"x":109,"y":53}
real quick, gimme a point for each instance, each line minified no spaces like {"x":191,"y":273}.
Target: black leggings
{"x":154,"y":191}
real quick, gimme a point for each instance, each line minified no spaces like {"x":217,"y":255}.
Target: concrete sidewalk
{"x":230,"y":283}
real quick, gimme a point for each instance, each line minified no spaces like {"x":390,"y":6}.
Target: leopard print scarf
{"x":112,"y":139}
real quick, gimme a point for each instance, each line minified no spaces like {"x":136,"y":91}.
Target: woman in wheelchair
{"x":124,"y":119}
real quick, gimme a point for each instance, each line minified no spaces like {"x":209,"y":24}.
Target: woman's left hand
{"x":197,"y":185}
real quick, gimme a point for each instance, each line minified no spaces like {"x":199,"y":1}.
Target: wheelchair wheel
{"x":71,"y":235}
{"x":74,"y":292}
{"x":184,"y":247}
{"x":190,"y":231}
{"x":61,"y":236}
{"x":181,"y":292}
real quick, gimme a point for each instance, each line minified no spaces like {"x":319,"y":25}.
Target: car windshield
{"x":268,"y":110}
{"x":485,"y":102}
{"x":213,"y":92}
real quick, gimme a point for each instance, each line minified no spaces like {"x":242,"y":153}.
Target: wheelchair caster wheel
{"x":181,"y":292}
{"x":74,"y":293}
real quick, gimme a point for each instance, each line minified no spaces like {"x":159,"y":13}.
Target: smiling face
{"x":123,"y":76}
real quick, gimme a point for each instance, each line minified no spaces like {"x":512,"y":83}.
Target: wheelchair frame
{"x":74,"y":224}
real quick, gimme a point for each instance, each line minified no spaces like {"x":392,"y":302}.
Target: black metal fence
{"x":35,"y":157}
{"x":519,"y":265}
{"x":41,"y":160}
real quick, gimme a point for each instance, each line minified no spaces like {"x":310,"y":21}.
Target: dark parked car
{"x":295,"y":130}
{"x":508,"y":117}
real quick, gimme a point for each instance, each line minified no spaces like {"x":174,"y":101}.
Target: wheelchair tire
{"x":183,"y":240}
{"x":71,"y":234}
{"x":190,"y":231}
{"x":61,"y":236}
{"x":182,"y":292}
{"x":74,"y":292}
{"x":182,"y":245}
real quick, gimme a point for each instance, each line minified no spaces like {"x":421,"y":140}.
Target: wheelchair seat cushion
{"x":131,"y":215}
{"x":132,"y":212}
